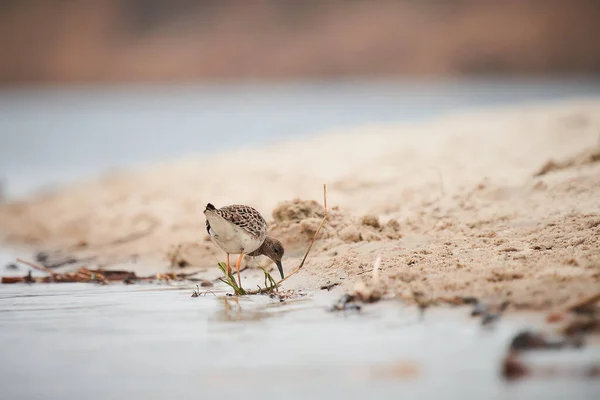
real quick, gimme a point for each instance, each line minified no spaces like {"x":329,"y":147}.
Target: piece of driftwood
{"x":93,"y":276}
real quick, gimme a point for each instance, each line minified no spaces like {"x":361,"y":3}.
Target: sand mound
{"x":465,"y":204}
{"x":295,"y":223}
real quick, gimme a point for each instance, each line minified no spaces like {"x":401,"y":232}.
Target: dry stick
{"x":309,"y":246}
{"x":35,"y":266}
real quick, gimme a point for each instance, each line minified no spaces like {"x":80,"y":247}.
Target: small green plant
{"x":270,"y":283}
{"x":230,"y":280}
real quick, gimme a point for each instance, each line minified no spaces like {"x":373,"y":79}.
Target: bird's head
{"x":273,"y":249}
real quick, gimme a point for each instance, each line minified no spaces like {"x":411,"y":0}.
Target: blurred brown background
{"x":161,"y":40}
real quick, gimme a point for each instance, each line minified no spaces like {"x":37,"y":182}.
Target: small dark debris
{"x":283,"y":295}
{"x":488,"y":314}
{"x":513,"y":368}
{"x":488,"y":319}
{"x":470,"y":300}
{"x":29,"y":278}
{"x":528,"y":340}
{"x":198,"y":293}
{"x":275,"y":296}
{"x":345,"y":303}
{"x":41,"y":257}
{"x":206,"y":283}
{"x":329,"y":286}
{"x":479,"y":309}
{"x":491,"y":317}
{"x":11,"y":266}
{"x":423,"y":302}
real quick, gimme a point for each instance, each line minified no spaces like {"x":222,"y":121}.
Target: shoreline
{"x":453,"y":206}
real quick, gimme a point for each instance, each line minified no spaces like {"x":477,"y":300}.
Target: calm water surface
{"x":73,"y":341}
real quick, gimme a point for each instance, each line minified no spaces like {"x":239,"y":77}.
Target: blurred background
{"x":188,"y":40}
{"x":87,"y":86}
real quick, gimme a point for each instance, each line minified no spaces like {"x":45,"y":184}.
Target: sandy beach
{"x":501,"y":204}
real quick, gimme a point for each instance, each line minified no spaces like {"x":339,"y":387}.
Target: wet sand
{"x":499,"y":204}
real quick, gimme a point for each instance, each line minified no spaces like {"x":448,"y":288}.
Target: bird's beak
{"x":280,"y":268}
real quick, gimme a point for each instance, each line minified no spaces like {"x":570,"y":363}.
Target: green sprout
{"x":230,"y":280}
{"x":270,"y":282}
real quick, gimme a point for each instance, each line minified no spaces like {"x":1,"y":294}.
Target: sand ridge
{"x":500,"y":203}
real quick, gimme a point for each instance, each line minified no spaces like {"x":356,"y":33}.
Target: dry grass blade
{"x":36,"y":266}
{"x":270,"y":283}
{"x":230,"y":280}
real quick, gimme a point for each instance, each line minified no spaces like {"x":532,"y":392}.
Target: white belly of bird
{"x":231,"y":238}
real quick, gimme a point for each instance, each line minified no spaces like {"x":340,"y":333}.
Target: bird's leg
{"x":228,"y":266}
{"x":237,"y":267}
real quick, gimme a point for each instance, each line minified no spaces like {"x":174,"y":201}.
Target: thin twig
{"x":309,"y":246}
{"x":376,"y":270}
{"x":36,"y":266}
{"x":365,"y":272}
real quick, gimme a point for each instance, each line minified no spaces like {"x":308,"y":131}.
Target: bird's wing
{"x":244,"y":217}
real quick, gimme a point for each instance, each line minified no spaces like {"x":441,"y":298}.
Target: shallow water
{"x":73,"y":341}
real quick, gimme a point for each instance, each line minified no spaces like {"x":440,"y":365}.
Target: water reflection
{"x":255,"y":308}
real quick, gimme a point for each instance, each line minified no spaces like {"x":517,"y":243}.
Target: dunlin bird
{"x":240,"y":229}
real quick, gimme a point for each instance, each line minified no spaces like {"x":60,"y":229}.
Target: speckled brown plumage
{"x":246,"y":217}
